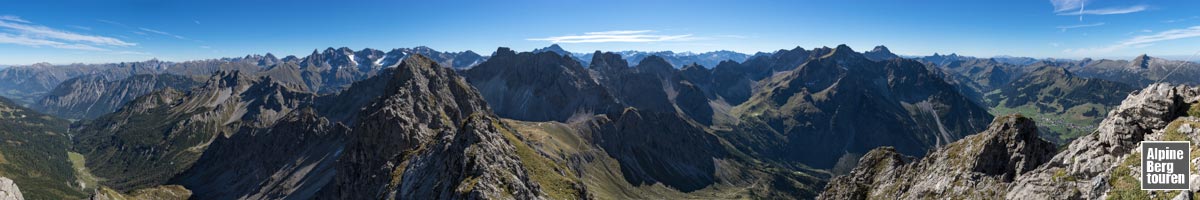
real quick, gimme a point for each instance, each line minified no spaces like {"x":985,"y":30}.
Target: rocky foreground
{"x":1009,"y":160}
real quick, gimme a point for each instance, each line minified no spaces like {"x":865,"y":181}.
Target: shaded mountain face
{"x":429,"y":135}
{"x":1101,"y":164}
{"x":90,"y":96}
{"x":646,"y":144}
{"x":539,"y":87}
{"x":293,"y":159}
{"x":1066,"y":105}
{"x":838,"y":102}
{"x":159,"y":135}
{"x":33,"y":154}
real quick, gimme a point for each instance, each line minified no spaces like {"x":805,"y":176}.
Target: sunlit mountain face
{"x":614,"y":100}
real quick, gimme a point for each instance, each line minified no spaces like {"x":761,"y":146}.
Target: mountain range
{"x":827,"y":122}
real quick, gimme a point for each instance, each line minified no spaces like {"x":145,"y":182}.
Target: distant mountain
{"x":322,"y":71}
{"x":880,"y":53}
{"x":835,"y":103}
{"x":1141,"y":70}
{"x":1067,"y":106}
{"x":553,"y":48}
{"x":539,"y":87}
{"x":677,"y":59}
{"x":33,"y":154}
{"x":89,"y":96}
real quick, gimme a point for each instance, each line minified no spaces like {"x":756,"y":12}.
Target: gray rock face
{"x":9,"y":190}
{"x":430,"y":135}
{"x":979,"y":165}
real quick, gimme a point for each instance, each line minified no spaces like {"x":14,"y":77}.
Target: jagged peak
{"x":881,"y":49}
{"x":607,"y":60}
{"x":504,"y":51}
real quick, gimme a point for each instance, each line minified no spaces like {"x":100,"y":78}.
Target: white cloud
{"x":616,"y":36}
{"x":49,"y":33}
{"x":13,"y":18}
{"x":1066,"y":27}
{"x":1143,"y":40}
{"x":197,"y":21}
{"x":162,"y":33}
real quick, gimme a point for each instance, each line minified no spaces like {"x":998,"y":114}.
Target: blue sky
{"x":114,"y":31}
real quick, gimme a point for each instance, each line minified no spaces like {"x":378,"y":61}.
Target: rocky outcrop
{"x":1089,"y":160}
{"x":430,"y":135}
{"x":9,"y":190}
{"x":979,"y":165}
{"x":1099,"y":165}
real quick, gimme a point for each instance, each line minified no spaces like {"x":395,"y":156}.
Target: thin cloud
{"x":197,"y":21}
{"x":37,"y":42}
{"x":1067,"y":5}
{"x":80,"y":27}
{"x":1180,"y":19}
{"x":1065,"y":27}
{"x":13,"y":18}
{"x":1143,"y":40}
{"x":162,"y":33}
{"x":616,"y":36}
{"x":1108,"y":11}
{"x":14,"y":30}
